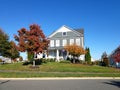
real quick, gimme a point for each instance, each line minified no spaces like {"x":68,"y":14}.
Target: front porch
{"x":57,"y":54}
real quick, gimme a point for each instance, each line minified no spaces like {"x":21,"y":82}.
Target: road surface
{"x":81,"y":84}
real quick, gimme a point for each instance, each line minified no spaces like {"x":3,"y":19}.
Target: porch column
{"x":57,"y":55}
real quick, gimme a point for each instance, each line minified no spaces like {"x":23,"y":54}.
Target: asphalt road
{"x":80,"y":84}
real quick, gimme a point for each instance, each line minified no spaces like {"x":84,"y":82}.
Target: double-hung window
{"x":57,"y":43}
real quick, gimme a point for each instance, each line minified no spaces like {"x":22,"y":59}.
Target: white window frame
{"x":51,"y":43}
{"x":64,"y":42}
{"x":71,"y":41}
{"x":78,"y":41}
{"x":57,"y":43}
{"x":65,"y":33}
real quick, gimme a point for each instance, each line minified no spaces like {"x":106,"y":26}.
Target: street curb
{"x":60,"y":78}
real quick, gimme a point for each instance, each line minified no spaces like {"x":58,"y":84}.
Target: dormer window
{"x":64,"y":33}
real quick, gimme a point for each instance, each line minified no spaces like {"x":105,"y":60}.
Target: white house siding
{"x":61,"y":37}
{"x":5,"y":59}
{"x":82,"y":42}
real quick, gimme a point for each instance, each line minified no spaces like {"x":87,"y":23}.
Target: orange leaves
{"x":74,"y":50}
{"x":32,"y":40}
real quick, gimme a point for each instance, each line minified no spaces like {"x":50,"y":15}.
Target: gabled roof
{"x":60,"y":30}
{"x":81,"y":30}
{"x":66,"y":28}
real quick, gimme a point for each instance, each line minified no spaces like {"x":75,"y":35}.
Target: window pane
{"x":64,"y":33}
{"x":64,"y":42}
{"x":57,"y":43}
{"x":51,"y":43}
{"x":71,"y":41}
{"x":78,"y":41}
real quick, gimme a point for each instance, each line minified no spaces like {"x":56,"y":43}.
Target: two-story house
{"x":61,"y":37}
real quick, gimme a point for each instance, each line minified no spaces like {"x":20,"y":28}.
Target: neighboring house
{"x":5,"y":59}
{"x":114,"y":58}
{"x":62,"y":37}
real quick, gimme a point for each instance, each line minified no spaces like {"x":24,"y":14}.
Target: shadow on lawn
{"x":114,"y":83}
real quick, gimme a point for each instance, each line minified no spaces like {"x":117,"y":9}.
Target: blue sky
{"x":99,"y":18}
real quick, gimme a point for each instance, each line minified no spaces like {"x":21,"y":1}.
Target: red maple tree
{"x":32,"y":40}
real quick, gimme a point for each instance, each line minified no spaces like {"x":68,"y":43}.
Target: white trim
{"x":64,"y":42}
{"x":72,"y":41}
{"x":77,"y":41}
{"x":57,"y":55}
{"x":65,"y":29}
{"x":52,"y":43}
{"x":82,"y":42}
{"x":57,"y":44}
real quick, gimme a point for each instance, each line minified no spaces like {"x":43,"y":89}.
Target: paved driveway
{"x":80,"y":84}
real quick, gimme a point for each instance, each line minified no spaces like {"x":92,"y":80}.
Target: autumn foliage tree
{"x":74,"y":50}
{"x":105,"y":60}
{"x":32,"y":40}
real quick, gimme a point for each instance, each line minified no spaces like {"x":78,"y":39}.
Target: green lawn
{"x":55,"y":69}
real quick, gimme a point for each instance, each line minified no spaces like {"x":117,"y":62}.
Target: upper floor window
{"x":51,"y":43}
{"x":78,"y":41}
{"x":71,"y":41}
{"x":64,"y":42}
{"x":64,"y":33}
{"x":57,"y":43}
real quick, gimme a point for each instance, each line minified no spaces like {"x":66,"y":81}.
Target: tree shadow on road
{"x":4,"y":82}
{"x":114,"y":83}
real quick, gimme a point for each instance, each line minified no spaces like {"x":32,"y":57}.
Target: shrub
{"x":97,"y":62}
{"x":26,"y":63}
{"x":43,"y":60}
{"x":105,"y":62}
{"x":37,"y":62}
{"x":49,"y":60}
{"x":21,"y":58}
{"x":81,"y":61}
{"x":65,"y":61}
{"x":52,"y":60}
{"x":1,"y":60}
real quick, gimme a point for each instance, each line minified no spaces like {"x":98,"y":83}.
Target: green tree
{"x":13,"y":51}
{"x":4,"y":44}
{"x":88,"y":56}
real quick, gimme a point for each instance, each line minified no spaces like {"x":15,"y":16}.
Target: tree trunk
{"x":73,"y":59}
{"x":33,"y":63}
{"x":30,"y":56}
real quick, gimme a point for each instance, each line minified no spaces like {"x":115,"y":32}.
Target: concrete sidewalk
{"x":59,"y":78}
